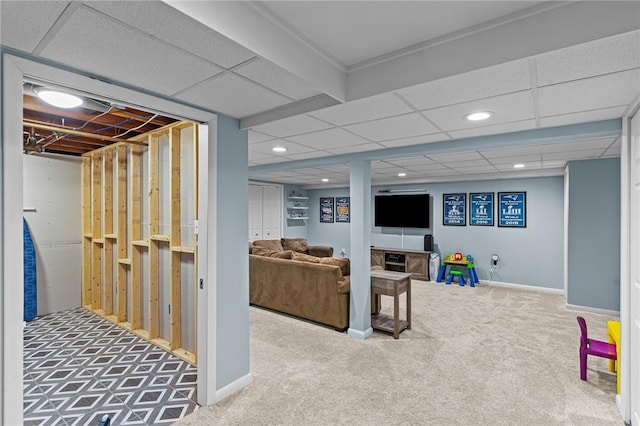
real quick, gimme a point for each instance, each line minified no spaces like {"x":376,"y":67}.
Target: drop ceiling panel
{"x":292,"y":148}
{"x":410,"y":161}
{"x":331,"y":138}
{"x":583,"y":117}
{"x":381,"y":165}
{"x":229,"y":94}
{"x":362,"y":110}
{"x":162,"y":21}
{"x":578,"y":145}
{"x":516,"y":126}
{"x":473,"y":169}
{"x":276,"y":78}
{"x":529,"y":165}
{"x":506,"y":108}
{"x":25,"y":23}
{"x":427,"y":167}
{"x":307,"y":155}
{"x":355,"y":148}
{"x":595,"y":93}
{"x":516,"y":159}
{"x":402,"y":126}
{"x":452,"y":158}
{"x":512,"y":152}
{"x":614,"y":151}
{"x":417,"y":140}
{"x":605,"y":56}
{"x":295,"y":125}
{"x":484,"y":83}
{"x":468,"y":163}
{"x":125,"y":55}
{"x":574,"y":155}
{"x":256,"y":137}
{"x":553,"y":164}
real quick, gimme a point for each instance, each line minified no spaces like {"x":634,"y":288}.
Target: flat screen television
{"x":402,"y":211}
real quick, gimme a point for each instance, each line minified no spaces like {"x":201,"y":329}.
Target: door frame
{"x":16,"y":70}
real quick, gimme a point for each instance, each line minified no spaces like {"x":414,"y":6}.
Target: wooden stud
{"x":136,"y":234}
{"x":108,"y":192}
{"x":175,"y":292}
{"x":96,"y":194}
{"x":154,"y":229}
{"x":107,"y":279}
{"x":107,"y":283}
{"x":136,"y":289}
{"x":123,"y":206}
{"x":121,"y":304}
{"x":86,"y":231}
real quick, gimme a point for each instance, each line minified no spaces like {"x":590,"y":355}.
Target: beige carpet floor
{"x":474,"y":356}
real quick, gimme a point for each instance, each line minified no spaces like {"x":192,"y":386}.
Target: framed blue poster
{"x":512,"y":209}
{"x":454,"y":209}
{"x":326,"y":209}
{"x":481,"y":208}
{"x":343,"y":209}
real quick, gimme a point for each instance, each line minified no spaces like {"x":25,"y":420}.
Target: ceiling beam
{"x":45,"y":126}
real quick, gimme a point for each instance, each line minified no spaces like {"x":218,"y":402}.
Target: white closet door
{"x":271,"y":212}
{"x":255,"y":212}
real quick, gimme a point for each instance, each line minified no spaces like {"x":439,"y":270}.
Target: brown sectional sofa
{"x":296,"y":244}
{"x":304,"y":288}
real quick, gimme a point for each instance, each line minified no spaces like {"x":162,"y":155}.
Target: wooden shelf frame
{"x":123,"y":266}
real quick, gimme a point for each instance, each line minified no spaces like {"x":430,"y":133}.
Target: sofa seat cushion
{"x":296,"y":244}
{"x":275,"y":245}
{"x":343,"y":263}
{"x":261,"y":251}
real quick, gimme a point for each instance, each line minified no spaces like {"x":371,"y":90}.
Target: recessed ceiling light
{"x":279,"y":149}
{"x":325,"y":180}
{"x":518,"y":166}
{"x":59,"y":99}
{"x":402,"y":174}
{"x":478,"y":116}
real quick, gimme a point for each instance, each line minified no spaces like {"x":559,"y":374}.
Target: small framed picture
{"x":326,"y":209}
{"x":481,"y":209}
{"x":454,"y":209}
{"x":343,"y":209}
{"x":512,"y":209}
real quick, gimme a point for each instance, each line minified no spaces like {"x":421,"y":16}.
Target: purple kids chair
{"x":592,"y":347}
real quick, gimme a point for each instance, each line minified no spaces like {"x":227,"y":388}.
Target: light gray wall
{"x":52,"y":185}
{"x":594,"y":233}
{"x":232,"y":340}
{"x":529,"y":256}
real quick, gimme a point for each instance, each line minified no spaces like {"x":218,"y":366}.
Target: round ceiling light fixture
{"x":325,"y":180}
{"x":518,"y":166}
{"x":59,"y":99}
{"x":478,"y":116}
{"x":279,"y":149}
{"x":402,"y":174}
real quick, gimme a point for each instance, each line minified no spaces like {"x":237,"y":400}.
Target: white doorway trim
{"x":15,"y":70}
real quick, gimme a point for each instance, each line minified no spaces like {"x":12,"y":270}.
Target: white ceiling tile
{"x":402,"y":126}
{"x":266,"y":147}
{"x":436,"y":137}
{"x":381,"y":165}
{"x":307,"y":155}
{"x":256,"y":137}
{"x":125,"y":55}
{"x":527,"y":166}
{"x":427,"y":167}
{"x":595,"y":93}
{"x":255,"y":156}
{"x":410,"y":161}
{"x":505,"y":108}
{"x":332,"y":138}
{"x":466,"y":163}
{"x":265,"y":159}
{"x":512,"y":152}
{"x":474,"y":169}
{"x":23,"y":24}
{"x":615,"y":151}
{"x":355,"y":148}
{"x":578,"y":145}
{"x":484,"y":83}
{"x":461,"y":156}
{"x":276,"y":78}
{"x":516,"y":159}
{"x":516,"y":126}
{"x":373,"y":108}
{"x":583,"y":116}
{"x":295,"y":125}
{"x":229,"y":94}
{"x":162,"y":21}
{"x":612,"y":54}
{"x":553,"y":164}
{"x":573,"y":155}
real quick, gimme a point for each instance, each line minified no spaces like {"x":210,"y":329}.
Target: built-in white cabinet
{"x":265,"y":212}
{"x":297,"y":207}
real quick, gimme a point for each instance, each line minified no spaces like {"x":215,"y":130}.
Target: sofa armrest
{"x":320,"y":251}
{"x":344,"y":285}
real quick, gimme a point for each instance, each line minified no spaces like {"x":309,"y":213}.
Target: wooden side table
{"x":389,"y":283}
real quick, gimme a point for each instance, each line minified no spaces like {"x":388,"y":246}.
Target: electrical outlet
{"x":494,"y":260}
{"x":343,"y":251}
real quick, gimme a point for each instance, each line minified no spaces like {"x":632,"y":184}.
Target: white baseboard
{"x":594,"y":310}
{"x":360,"y":334}
{"x":233,"y":387}
{"x":524,"y":287}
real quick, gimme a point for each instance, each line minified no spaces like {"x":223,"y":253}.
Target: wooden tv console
{"x":414,"y":262}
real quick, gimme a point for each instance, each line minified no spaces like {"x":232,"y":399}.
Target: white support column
{"x":360,"y":233}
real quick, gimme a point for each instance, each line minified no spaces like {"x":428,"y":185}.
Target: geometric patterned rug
{"x":79,"y":366}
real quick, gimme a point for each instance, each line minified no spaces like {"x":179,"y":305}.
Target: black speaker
{"x":428,"y":242}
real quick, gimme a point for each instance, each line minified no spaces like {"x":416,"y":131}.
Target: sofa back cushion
{"x":270,"y":244}
{"x":296,"y":244}
{"x":261,"y":251}
{"x":343,"y":263}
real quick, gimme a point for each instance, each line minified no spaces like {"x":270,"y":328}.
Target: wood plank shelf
{"x":111,"y":236}
{"x":183,"y":249}
{"x":98,"y":240}
{"x":164,"y":238}
{"x":140,"y":243}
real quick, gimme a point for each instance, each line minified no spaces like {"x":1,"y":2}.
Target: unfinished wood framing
{"x":145,"y":241}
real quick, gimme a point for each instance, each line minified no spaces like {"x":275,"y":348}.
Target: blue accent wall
{"x":530,"y":256}
{"x":594,"y":233}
